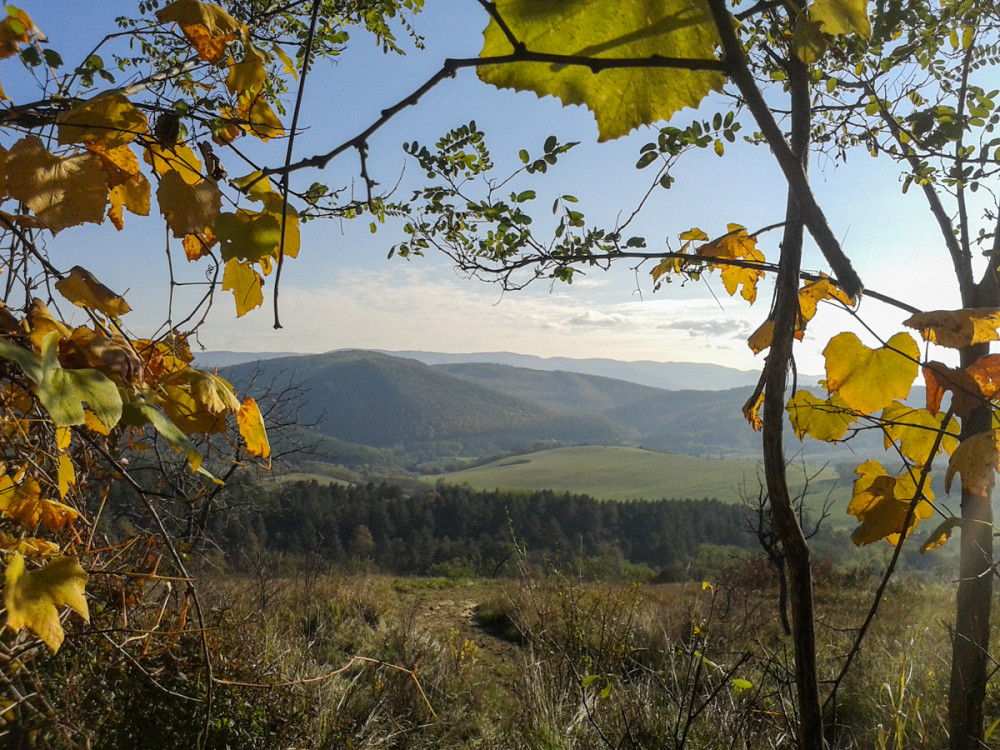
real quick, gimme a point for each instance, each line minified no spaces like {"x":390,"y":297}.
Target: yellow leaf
{"x":133,"y":195}
{"x":258,"y":117}
{"x":916,"y":430}
{"x":842,"y":16}
{"x":620,"y":99}
{"x":23,"y":502}
{"x":941,"y":534}
{"x":83,"y":290}
{"x":820,"y":419}
{"x":209,"y":28}
{"x":251,"y":425}
{"x":185,"y":411}
{"x":957,"y":329}
{"x":249,"y":74}
{"x":881,"y":503}
{"x":188,"y":209}
{"x":64,"y":435}
{"x":15,"y":29}
{"x":62,"y":192}
{"x":813,"y":292}
{"x":286,"y":61}
{"x":247,"y":236}
{"x":751,"y":412}
{"x":110,"y":119}
{"x":120,"y":163}
{"x":807,"y":39}
{"x":28,"y":546}
{"x":736,"y":244}
{"x":870,"y":379}
{"x":32,"y":597}
{"x":761,"y":338}
{"x":66,"y":475}
{"x":178,"y":158}
{"x":977,"y":459}
{"x":211,"y":392}
{"x":246,"y":285}
{"x":41,"y":323}
{"x":198,"y":245}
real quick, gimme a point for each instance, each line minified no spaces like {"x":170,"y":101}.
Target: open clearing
{"x":618,"y":473}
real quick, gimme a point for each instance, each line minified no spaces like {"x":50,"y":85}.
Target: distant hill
{"x":373,"y":399}
{"x":558,"y":390}
{"x":665,"y":375}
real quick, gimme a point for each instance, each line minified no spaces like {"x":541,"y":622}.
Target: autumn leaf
{"x":211,"y":392}
{"x":188,"y":209}
{"x":821,"y":419}
{"x":248,"y":75}
{"x":41,"y":323}
{"x":870,"y":379}
{"x":16,"y":29}
{"x":808,"y":40}
{"x":83,"y":290}
{"x":751,"y":412}
{"x":198,"y":245}
{"x":139,"y":411}
{"x":880,"y":502}
{"x":110,"y":119}
{"x":209,"y":28}
{"x":842,"y":16}
{"x":915,"y":431}
{"x":957,"y":329}
{"x":251,"y":425}
{"x":965,"y":389}
{"x":22,"y":500}
{"x":61,"y":192}
{"x":810,"y":295}
{"x":941,"y":534}
{"x":977,"y":459}
{"x":133,"y":195}
{"x":66,"y":475}
{"x":245,"y":284}
{"x":178,"y":158}
{"x":32,"y":598}
{"x":620,"y":99}
{"x":736,"y":244}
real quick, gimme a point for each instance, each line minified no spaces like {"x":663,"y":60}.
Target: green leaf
{"x":621,"y":99}
{"x":61,"y":391}
{"x":740,"y":684}
{"x":140,"y":411}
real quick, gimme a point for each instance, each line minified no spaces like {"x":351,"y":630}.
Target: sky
{"x":343,"y":292}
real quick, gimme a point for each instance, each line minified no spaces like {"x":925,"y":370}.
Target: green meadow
{"x":619,"y":473}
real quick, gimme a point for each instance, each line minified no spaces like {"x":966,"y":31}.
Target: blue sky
{"x":342,"y":292}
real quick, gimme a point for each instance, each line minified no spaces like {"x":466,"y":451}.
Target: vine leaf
{"x":61,"y":192}
{"x":32,"y":597}
{"x":736,"y":244}
{"x":179,"y":158}
{"x":969,"y":386}
{"x":977,"y":459}
{"x":22,"y":500}
{"x":916,"y":431}
{"x":941,"y":534}
{"x":881,"y":502}
{"x":620,"y":99}
{"x":83,"y":290}
{"x":842,"y":16}
{"x":110,"y":119}
{"x":821,"y":419}
{"x":208,"y":27}
{"x":870,"y":379}
{"x":810,"y":295}
{"x":139,"y":411}
{"x":246,"y":285}
{"x":251,"y":425}
{"x":188,"y":208}
{"x":957,"y":329}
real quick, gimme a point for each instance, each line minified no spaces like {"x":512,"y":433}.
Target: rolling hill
{"x":374,"y":399}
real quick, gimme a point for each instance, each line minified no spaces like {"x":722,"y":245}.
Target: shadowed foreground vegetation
{"x":541,"y":661}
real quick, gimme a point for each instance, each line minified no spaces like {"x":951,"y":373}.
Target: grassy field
{"x":617,"y":473}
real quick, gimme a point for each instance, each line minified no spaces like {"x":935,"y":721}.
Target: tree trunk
{"x":786,"y":523}
{"x":971,"y":637}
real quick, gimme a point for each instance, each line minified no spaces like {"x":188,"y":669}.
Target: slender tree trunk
{"x":971,"y":638}
{"x":786,"y":524}
{"x":783,"y":598}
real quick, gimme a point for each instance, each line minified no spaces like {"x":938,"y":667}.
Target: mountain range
{"x":468,"y":409}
